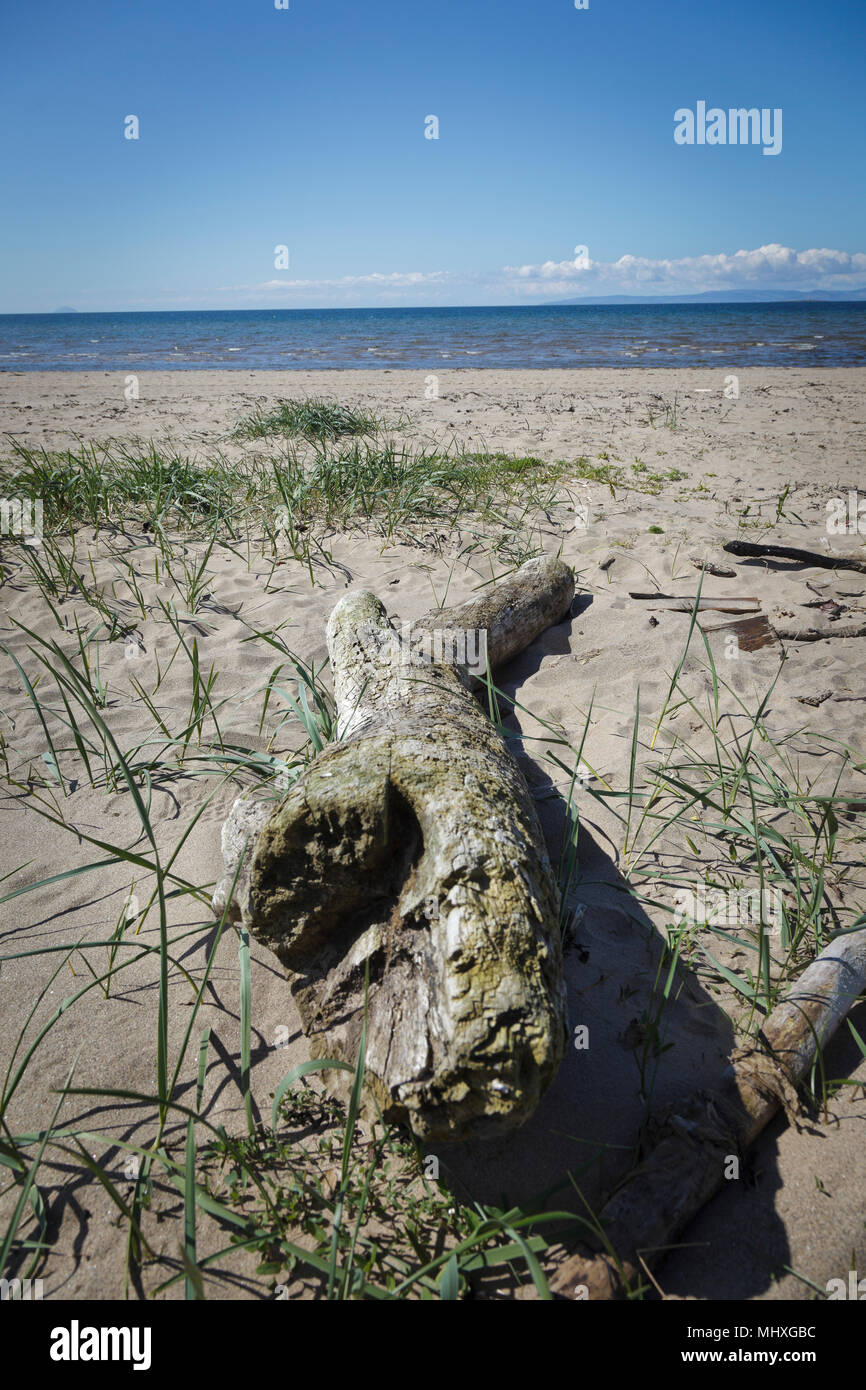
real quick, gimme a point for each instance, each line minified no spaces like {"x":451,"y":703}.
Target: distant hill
{"x":726,"y":297}
{"x":67,"y":309}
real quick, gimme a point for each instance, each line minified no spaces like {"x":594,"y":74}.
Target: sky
{"x":555,"y":174}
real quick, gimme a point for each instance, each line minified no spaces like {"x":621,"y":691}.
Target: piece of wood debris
{"x":751,"y":633}
{"x":685,"y":603}
{"x":818,"y":634}
{"x":828,"y":606}
{"x":691,"y":1143}
{"x":814,"y":699}
{"x":720,"y":571}
{"x":790,"y":552}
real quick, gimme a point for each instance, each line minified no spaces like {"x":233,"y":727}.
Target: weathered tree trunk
{"x":412,"y":846}
{"x":694,"y":1142}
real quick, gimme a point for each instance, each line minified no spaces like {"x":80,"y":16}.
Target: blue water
{"x":658,"y":335}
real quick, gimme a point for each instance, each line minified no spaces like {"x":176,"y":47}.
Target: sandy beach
{"x":655,"y":471}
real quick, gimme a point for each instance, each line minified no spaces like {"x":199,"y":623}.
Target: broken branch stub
{"x":513,"y":612}
{"x":412,"y":847}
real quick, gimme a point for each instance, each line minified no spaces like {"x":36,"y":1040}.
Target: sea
{"x":812,"y":333}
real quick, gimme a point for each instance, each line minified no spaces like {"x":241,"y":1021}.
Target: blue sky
{"x":305,"y":127}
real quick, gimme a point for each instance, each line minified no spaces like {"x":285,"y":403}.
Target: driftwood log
{"x":756,"y":550}
{"x":693,"y":1143}
{"x":412,"y":846}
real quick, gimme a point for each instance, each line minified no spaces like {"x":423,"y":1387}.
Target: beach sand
{"x":698,"y":467}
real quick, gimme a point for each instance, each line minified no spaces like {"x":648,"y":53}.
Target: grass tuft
{"x":318,"y":421}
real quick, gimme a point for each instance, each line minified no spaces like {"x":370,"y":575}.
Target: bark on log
{"x":413,"y":844}
{"x":790,"y":552}
{"x":693,"y":1142}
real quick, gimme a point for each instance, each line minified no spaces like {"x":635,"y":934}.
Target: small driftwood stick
{"x":686,"y":603}
{"x":720,"y":571}
{"x":790,"y":552}
{"x":412,"y":847}
{"x":692,"y":1142}
{"x":819,"y":634}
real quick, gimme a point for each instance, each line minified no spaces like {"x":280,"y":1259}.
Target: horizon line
{"x":796,"y":297}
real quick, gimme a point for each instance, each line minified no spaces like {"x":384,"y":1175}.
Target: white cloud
{"x":767,"y":267}
{"x":396,"y":279}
